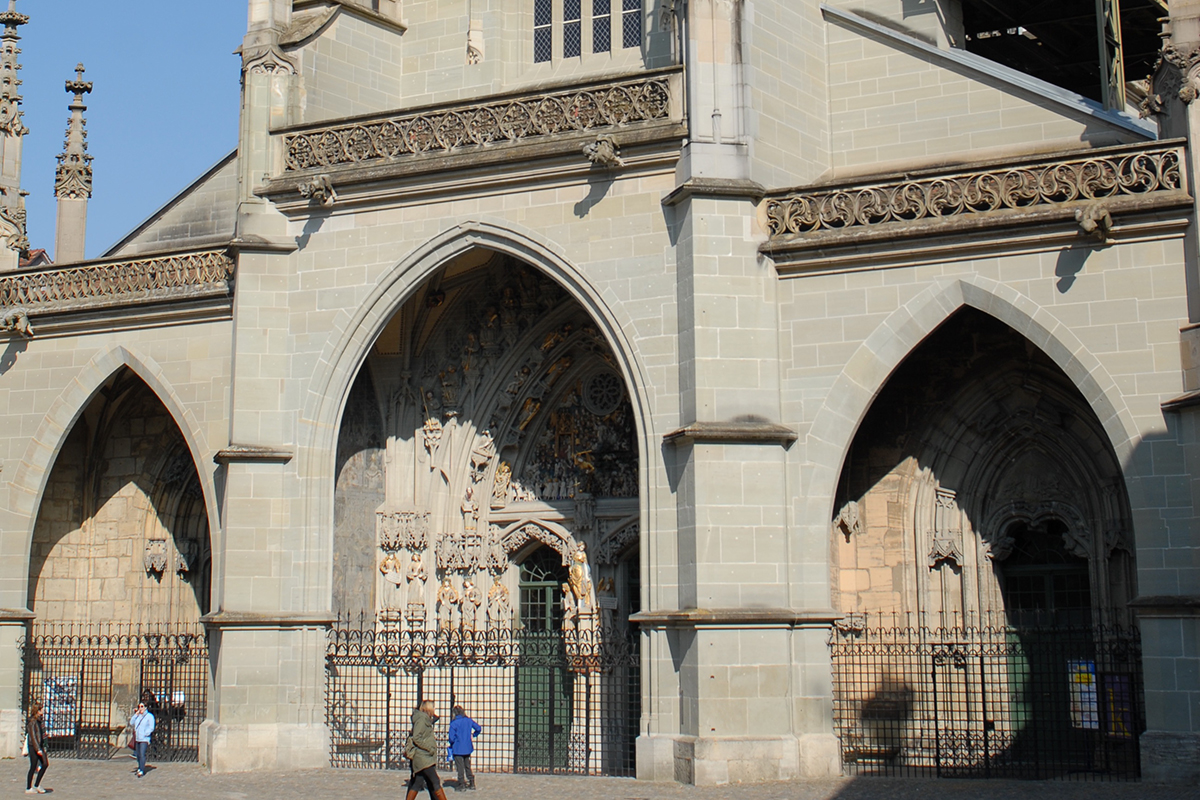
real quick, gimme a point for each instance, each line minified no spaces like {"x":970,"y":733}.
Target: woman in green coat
{"x":421,"y":749}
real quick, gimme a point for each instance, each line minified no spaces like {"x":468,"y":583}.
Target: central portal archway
{"x":489,"y":425}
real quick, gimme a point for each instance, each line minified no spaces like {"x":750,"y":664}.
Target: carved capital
{"x":267,"y":60}
{"x":1187,"y":71}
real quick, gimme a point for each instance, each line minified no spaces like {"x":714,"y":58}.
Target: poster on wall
{"x":61,"y":705}
{"x":1085,"y":706}
{"x":1119,"y":720}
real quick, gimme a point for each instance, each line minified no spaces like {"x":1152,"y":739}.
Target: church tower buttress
{"x":73,"y":178}
{"x":13,"y":241}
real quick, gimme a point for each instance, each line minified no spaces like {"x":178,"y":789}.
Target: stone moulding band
{"x":1166,"y":606}
{"x":270,"y":621}
{"x":129,"y":282}
{"x":521,"y":117}
{"x":1096,"y":175}
{"x":737,"y":618}
{"x":252,"y":454}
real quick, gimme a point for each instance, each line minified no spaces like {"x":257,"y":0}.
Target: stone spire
{"x":73,"y":178}
{"x":12,"y":135}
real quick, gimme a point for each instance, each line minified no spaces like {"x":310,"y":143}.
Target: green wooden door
{"x":543,"y":685}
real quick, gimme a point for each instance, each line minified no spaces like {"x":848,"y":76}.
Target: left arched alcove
{"x":122,"y":530}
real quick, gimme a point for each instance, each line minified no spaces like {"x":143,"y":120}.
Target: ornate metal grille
{"x":90,"y":678}
{"x":972,"y":699}
{"x":548,"y":702}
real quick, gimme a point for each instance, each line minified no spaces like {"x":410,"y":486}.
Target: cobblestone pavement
{"x":102,"y":780}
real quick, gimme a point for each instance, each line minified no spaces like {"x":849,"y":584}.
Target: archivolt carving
{"x":119,"y":283}
{"x":582,"y":109}
{"x":617,"y":542}
{"x":1077,"y":538}
{"x":522,"y":533}
{"x":1154,"y":169}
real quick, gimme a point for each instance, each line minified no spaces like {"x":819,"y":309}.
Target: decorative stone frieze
{"x":118,"y":283}
{"x":523,"y":117}
{"x":1146,"y":171}
{"x":403,"y":530}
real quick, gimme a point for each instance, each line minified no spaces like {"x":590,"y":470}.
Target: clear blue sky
{"x":163,"y":110}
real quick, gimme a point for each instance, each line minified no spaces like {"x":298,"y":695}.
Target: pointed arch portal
{"x":982,"y":552}
{"x":490,"y":424}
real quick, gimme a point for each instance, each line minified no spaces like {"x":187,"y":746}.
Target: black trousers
{"x":463,"y":763}
{"x":37,"y":764}
{"x":425,"y":779}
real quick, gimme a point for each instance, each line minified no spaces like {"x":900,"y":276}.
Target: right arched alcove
{"x":984,"y":487}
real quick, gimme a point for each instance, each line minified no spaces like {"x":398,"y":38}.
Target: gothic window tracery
{"x":560,"y":32}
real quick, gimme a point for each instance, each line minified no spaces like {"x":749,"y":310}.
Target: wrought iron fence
{"x":975,"y":699}
{"x":90,"y":678}
{"x":548,"y":702}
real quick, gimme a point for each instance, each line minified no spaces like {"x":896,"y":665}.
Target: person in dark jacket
{"x":421,"y":750}
{"x":38,"y":763}
{"x":463,"y":731}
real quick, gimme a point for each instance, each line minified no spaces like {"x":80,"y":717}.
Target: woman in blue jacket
{"x":463,"y":731}
{"x":142,"y":723}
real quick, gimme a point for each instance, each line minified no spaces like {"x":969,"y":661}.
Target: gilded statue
{"x":579,"y":579}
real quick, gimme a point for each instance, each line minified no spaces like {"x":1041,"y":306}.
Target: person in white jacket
{"x":142,"y":723}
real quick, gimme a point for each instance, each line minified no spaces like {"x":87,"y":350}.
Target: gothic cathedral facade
{"x":623,"y":369}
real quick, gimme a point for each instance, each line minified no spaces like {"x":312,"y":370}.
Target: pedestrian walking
{"x":142,"y":723}
{"x":463,"y":731}
{"x":421,"y":751}
{"x":35,"y":744}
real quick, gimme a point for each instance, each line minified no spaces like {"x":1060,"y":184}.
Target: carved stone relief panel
{"x":507,"y":425}
{"x":946,"y":536}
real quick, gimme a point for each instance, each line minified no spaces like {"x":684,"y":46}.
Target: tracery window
{"x":559,"y":29}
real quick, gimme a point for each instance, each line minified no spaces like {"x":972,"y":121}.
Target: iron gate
{"x":548,"y":702}
{"x":988,"y":701}
{"x":90,"y":679}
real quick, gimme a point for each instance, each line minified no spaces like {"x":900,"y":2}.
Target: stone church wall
{"x":204,"y":215}
{"x":890,"y":104}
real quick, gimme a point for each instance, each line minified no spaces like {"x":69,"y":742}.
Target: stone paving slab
{"x":114,"y":780}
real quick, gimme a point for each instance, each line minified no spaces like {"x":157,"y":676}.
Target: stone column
{"x":729,"y":647}
{"x":14,"y":631}
{"x":1168,"y":605}
{"x":267,"y":635}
